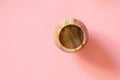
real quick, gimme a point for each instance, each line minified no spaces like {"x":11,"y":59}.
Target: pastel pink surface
{"x":28,"y":51}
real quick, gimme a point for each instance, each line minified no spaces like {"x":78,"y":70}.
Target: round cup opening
{"x":71,"y":36}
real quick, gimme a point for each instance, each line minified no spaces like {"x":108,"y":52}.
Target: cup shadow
{"x":97,"y":56}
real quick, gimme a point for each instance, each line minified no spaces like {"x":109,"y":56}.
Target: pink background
{"x":27,"y":49}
